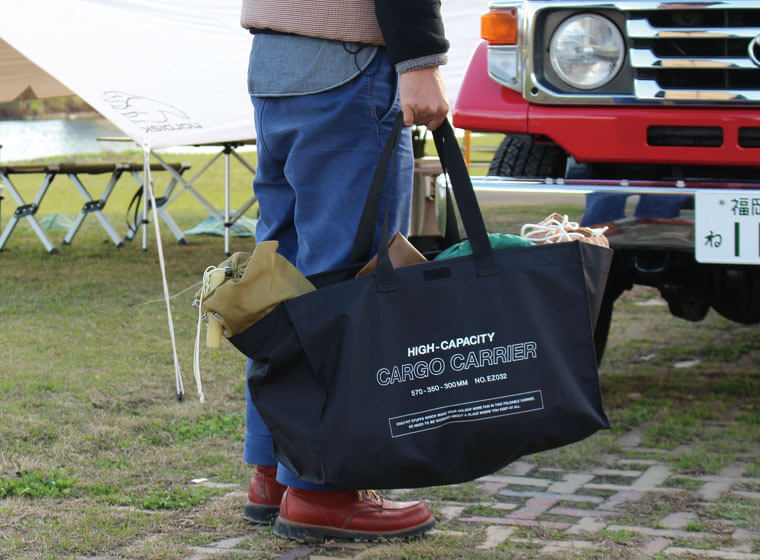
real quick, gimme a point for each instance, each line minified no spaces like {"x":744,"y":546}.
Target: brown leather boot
{"x":264,"y":495}
{"x":308,"y":515}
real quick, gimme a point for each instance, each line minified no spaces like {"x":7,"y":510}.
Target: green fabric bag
{"x":498,"y":241}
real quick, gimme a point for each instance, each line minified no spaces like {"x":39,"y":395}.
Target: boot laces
{"x":368,"y":494}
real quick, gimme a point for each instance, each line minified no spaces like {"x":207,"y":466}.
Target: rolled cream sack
{"x":213,"y":333}
{"x":256,"y":286}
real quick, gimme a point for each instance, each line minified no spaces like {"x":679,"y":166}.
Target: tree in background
{"x":24,"y":107}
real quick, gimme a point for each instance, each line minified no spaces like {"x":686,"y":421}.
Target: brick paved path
{"x":627,"y":508}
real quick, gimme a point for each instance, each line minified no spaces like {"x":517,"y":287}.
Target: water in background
{"x":23,"y":140}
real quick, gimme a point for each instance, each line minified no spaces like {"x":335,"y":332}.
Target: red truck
{"x":619,"y":98}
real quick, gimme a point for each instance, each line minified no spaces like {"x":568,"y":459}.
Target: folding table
{"x":91,"y":206}
{"x":228,"y":150}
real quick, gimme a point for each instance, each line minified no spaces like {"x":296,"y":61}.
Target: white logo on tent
{"x":151,"y":115}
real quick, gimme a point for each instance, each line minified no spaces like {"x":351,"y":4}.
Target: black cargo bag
{"x":434,"y":373}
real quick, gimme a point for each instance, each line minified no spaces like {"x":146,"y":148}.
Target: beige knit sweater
{"x":341,"y":20}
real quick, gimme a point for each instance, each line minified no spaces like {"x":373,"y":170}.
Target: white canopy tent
{"x":165,"y":72}
{"x":22,"y":79}
{"x":168,"y":72}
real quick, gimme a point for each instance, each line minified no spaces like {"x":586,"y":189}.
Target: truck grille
{"x":696,"y":54}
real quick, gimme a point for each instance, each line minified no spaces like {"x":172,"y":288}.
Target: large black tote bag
{"x":434,"y":373}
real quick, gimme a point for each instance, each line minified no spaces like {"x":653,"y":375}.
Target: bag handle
{"x":361,"y":250}
{"x":454,"y":165}
{"x":365,"y":233}
{"x":452,"y":162}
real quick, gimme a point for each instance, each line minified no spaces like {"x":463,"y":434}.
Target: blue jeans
{"x":608,"y":207}
{"x":317,"y":154}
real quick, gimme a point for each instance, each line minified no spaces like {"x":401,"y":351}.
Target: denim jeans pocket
{"x":383,"y":87}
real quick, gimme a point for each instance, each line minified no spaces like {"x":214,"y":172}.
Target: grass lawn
{"x":98,"y":457}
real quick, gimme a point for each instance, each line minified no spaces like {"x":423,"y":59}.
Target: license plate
{"x":727,"y":226}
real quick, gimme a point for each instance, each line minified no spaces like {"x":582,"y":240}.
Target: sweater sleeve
{"x":413,"y":32}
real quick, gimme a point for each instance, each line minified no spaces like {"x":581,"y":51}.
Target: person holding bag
{"x":327,"y":78}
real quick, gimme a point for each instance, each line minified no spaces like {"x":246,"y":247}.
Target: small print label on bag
{"x":473,"y":411}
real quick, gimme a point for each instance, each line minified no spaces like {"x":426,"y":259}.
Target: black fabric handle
{"x":451,"y":235}
{"x":365,"y":234}
{"x":453,"y":163}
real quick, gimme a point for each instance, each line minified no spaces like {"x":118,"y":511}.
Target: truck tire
{"x":518,"y":156}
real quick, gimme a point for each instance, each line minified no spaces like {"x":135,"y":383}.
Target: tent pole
{"x":227,"y":150}
{"x":146,"y":179}
{"x":162,"y":264}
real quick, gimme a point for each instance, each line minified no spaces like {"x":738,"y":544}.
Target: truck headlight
{"x":586,"y":51}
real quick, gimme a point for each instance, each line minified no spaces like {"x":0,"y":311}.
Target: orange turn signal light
{"x":499,"y":27}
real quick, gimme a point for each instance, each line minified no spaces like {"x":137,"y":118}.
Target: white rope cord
{"x":205,"y":290}
{"x":162,"y":265}
{"x":554,"y":230}
{"x":192,"y":286}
